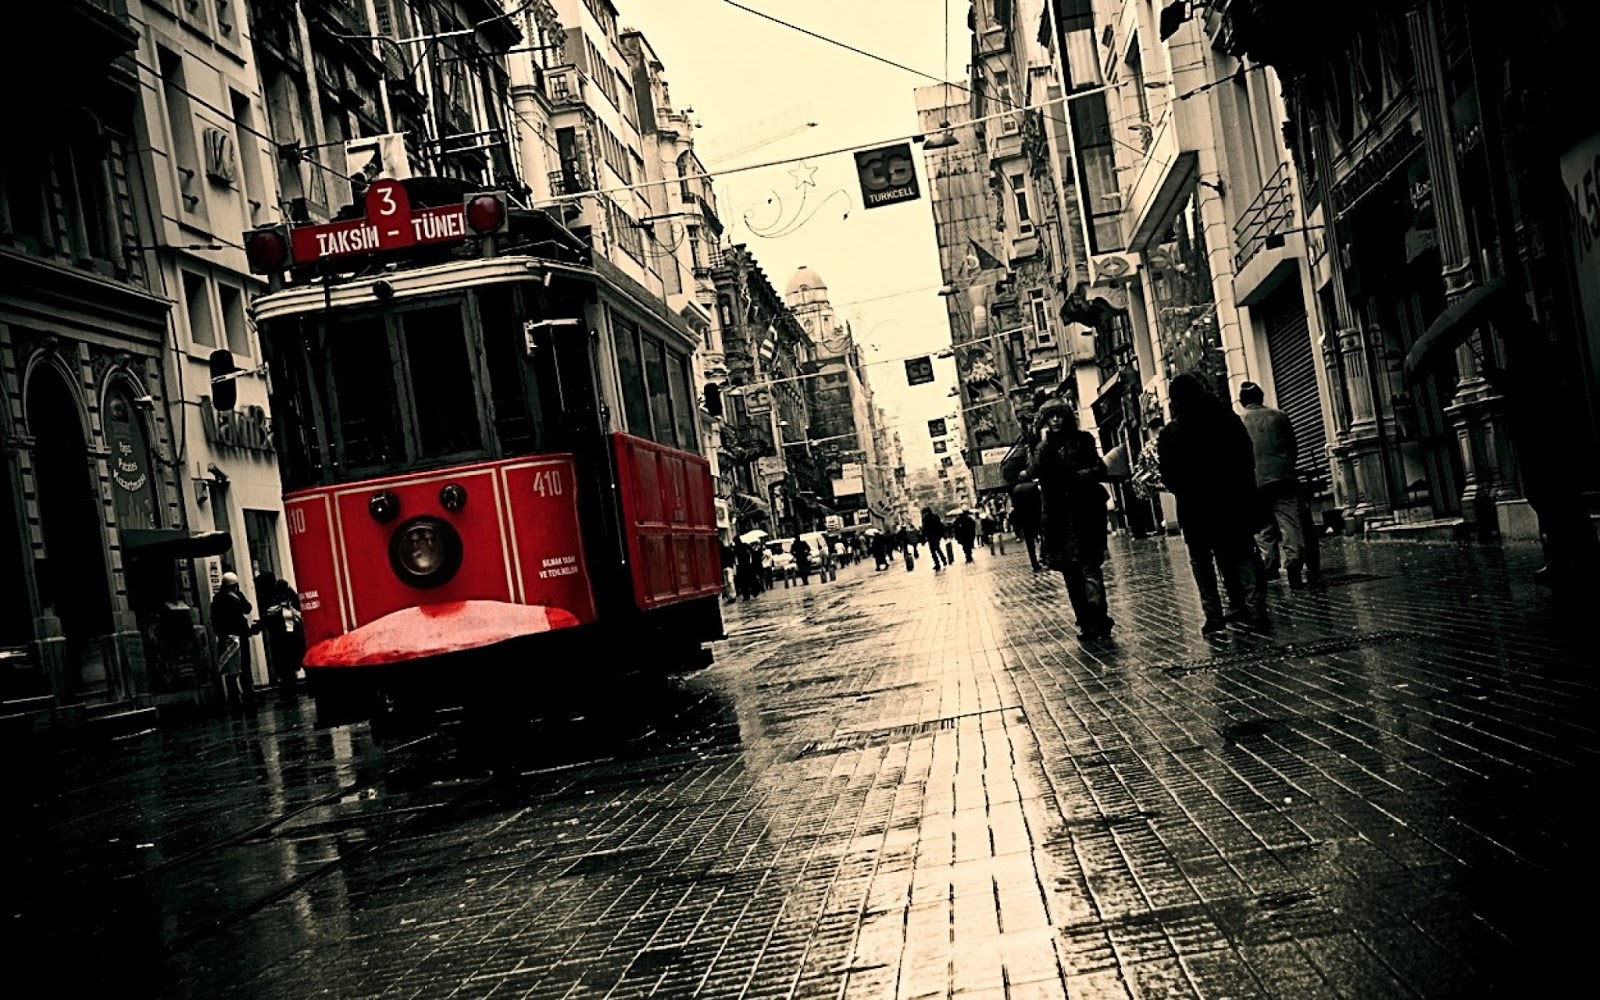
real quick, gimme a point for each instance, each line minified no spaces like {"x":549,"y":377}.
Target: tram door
{"x":565,"y":369}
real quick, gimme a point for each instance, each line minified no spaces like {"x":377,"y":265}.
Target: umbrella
{"x":752,"y":536}
{"x":872,"y":531}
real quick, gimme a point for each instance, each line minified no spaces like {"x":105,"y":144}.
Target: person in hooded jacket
{"x":965,"y":529}
{"x":1069,"y":471}
{"x":1208,"y":464}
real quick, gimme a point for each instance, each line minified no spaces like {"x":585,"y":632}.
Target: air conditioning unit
{"x":1008,"y":126}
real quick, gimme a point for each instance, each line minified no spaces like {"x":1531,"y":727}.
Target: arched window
{"x":132,"y":471}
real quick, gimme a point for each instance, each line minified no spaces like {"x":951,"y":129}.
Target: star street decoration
{"x":805,"y":175}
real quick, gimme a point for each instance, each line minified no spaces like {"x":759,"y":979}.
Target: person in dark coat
{"x":1025,"y":517}
{"x":801,"y":550}
{"x":1208,"y":464}
{"x":965,"y":530}
{"x":230,"y":621}
{"x":933,"y":534}
{"x":282,"y":627}
{"x":1069,"y":471}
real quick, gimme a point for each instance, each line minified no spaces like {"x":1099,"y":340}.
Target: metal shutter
{"x":1294,"y":377}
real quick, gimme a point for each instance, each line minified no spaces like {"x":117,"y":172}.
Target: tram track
{"x":403,"y":820}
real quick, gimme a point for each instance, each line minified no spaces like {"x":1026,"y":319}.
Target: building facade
{"x":1446,"y":168}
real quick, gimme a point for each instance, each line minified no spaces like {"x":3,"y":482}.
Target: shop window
{"x":261,"y":534}
{"x":442,"y":386}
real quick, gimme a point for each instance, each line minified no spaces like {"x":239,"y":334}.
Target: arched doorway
{"x":72,"y":578}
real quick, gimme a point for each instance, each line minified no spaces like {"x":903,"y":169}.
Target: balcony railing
{"x":1270,"y":214}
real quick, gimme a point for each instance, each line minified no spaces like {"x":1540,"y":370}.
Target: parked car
{"x":782,"y":558}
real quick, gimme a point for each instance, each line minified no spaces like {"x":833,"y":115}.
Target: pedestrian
{"x":933,"y":534}
{"x":284,"y":632}
{"x":991,"y":531}
{"x":801,"y":550}
{"x":230,"y":622}
{"x":1026,"y":512}
{"x":729,"y":564}
{"x":1208,"y":464}
{"x":1280,"y":537}
{"x":1069,"y":471}
{"x":965,"y":530}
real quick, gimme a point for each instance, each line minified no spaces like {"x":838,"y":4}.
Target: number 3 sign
{"x":888,"y":175}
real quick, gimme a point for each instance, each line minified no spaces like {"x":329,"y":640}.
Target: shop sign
{"x":1580,"y":173}
{"x":848,"y":486}
{"x":993,"y":456}
{"x":936,"y":427}
{"x":246,"y":428}
{"x":135,"y":496}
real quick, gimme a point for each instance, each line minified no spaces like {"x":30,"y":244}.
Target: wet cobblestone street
{"x":895,"y":785}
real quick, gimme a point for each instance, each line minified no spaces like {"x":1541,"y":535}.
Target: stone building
{"x":1448,"y":163}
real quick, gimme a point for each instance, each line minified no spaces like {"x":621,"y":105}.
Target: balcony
{"x":1262,"y":253}
{"x":1171,"y":161}
{"x":1271,"y":214}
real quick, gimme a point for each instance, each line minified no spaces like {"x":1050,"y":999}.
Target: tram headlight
{"x":425,"y":552}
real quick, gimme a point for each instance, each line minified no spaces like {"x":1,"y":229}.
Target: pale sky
{"x":749,"y":81}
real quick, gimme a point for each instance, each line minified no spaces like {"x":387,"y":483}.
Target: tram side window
{"x":517,"y":420}
{"x":294,"y":417}
{"x":631,"y":373}
{"x":435,"y":344}
{"x":361,"y":386}
{"x":655,"y":373}
{"x":684,"y":405}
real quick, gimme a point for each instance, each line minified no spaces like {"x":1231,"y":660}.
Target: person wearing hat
{"x":1272,"y":440}
{"x":1069,"y":471}
{"x":1208,"y":465}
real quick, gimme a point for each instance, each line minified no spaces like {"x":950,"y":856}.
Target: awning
{"x":1452,"y":327}
{"x":746,"y":506}
{"x":174,"y":543}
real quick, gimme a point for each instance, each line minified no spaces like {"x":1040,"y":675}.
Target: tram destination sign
{"x":390,"y":224}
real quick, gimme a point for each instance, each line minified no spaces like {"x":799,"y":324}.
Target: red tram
{"x":490,"y":453}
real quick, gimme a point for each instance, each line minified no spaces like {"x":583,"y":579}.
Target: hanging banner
{"x":919,"y":370}
{"x":936,"y":427}
{"x":888,"y":175}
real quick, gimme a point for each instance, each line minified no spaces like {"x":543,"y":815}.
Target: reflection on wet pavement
{"x":894,"y":785}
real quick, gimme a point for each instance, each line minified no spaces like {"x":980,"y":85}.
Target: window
{"x":631,"y":373}
{"x":295,"y":414}
{"x":180,"y":122}
{"x":255,"y":187}
{"x":684,"y":405}
{"x":514,"y":398}
{"x":442,"y":385}
{"x":1097,"y":172}
{"x":236,"y":328}
{"x":361,"y":387}
{"x":655,"y":377}
{"x":1019,"y":195}
{"x":1039,"y":307}
{"x":197,"y":299}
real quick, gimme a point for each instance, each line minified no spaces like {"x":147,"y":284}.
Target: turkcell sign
{"x":390,"y":225}
{"x":888,"y":175}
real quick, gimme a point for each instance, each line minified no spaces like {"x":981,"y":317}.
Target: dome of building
{"x":805,"y":286}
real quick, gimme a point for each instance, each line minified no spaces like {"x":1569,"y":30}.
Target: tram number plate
{"x":548,"y":483}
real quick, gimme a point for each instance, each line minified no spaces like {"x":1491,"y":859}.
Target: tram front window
{"x":361,"y":388}
{"x":442,"y":383}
